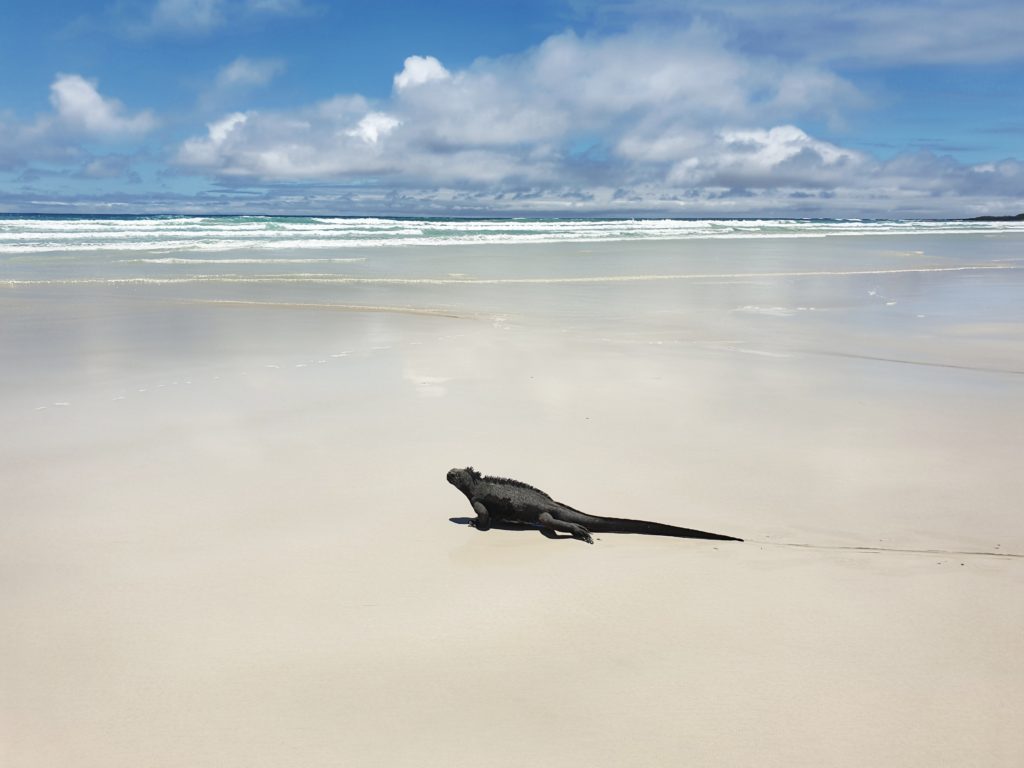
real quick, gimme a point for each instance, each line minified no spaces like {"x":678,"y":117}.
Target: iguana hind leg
{"x":548,"y":520}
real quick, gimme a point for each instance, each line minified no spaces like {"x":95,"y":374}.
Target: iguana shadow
{"x":513,"y":527}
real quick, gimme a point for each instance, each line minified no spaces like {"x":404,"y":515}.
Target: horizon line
{"x":510,"y":217}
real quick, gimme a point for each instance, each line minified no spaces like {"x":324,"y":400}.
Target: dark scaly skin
{"x":499,"y":500}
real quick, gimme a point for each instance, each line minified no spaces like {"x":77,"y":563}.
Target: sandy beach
{"x":227,"y":537}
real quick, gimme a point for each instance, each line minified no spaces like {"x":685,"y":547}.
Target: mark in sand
{"x":973,"y":553}
{"x":980,"y":368}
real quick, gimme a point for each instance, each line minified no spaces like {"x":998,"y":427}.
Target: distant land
{"x":1018,"y":217}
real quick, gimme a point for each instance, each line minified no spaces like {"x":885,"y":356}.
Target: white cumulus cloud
{"x":419,"y":70}
{"x":780,"y":156}
{"x":79,"y":105}
{"x":205,"y":151}
{"x":373,"y":126}
{"x":674,"y":120}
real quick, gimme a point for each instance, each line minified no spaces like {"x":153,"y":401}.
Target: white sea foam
{"x":772,"y":311}
{"x":29,"y":235}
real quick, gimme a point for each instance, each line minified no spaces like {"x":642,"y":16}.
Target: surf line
{"x":901,"y":550}
{"x":330,"y":279}
{"x":699,"y":276}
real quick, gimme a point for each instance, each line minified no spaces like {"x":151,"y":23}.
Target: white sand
{"x":231,"y":546}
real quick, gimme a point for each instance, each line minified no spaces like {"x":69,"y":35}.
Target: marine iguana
{"x":502,"y":500}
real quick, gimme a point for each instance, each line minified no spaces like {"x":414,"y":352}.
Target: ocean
{"x":47,"y":249}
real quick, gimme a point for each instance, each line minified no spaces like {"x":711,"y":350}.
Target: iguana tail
{"x":622,"y":525}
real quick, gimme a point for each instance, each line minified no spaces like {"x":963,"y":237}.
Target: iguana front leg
{"x":578,"y":531}
{"x":483,"y":517}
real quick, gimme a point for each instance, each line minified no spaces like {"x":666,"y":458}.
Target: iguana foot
{"x":579,"y":532}
{"x":575,"y":530}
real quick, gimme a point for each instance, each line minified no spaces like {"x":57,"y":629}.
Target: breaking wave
{"x":32,"y":234}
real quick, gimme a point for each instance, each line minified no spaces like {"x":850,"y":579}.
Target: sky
{"x":682,"y":108}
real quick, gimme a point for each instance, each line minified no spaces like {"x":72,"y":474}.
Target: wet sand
{"x":227,"y":537}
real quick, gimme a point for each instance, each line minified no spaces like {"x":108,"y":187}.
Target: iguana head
{"x":463,"y":479}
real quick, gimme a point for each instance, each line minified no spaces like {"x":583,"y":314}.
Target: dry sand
{"x":226,"y":537}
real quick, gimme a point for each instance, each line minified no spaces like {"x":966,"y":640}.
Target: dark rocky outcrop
{"x":1018,"y":217}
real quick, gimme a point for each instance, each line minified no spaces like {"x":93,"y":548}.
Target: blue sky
{"x":683,"y":108}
